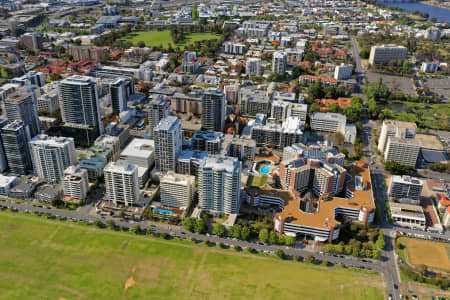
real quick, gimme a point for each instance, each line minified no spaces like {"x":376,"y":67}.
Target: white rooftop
{"x":139,"y":148}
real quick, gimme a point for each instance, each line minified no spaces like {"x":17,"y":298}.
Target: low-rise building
{"x":328,"y":122}
{"x":6,"y":184}
{"x":405,"y":187}
{"x":408,"y":215}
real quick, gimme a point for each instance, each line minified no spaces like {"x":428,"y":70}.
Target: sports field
{"x":43,"y":259}
{"x":156,"y":38}
{"x":431,"y":254}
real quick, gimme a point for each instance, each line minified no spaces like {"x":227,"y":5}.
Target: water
{"x":441,"y":14}
{"x":265,"y":169}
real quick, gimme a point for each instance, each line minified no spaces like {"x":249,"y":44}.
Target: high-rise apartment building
{"x":78,"y":100}
{"x":279,"y":62}
{"x":32,"y":40}
{"x":160,"y":109}
{"x":120,"y":91}
{"x":213,"y":110}
{"x":168,"y":143}
{"x":21,"y":106}
{"x":253,"y":66}
{"x":231,"y":93}
{"x":392,"y":128}
{"x":121,"y":181}
{"x":15,"y":137}
{"x":219,"y":184}
{"x":402,"y":151}
{"x":76,"y":184}
{"x":176,"y":190}
{"x":51,"y":156}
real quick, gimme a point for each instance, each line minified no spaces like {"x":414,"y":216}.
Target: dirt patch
{"x":61,"y":298}
{"x":130,"y":282}
{"x":431,"y":254}
{"x":11,"y":227}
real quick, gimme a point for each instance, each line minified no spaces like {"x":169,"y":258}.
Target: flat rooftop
{"x":427,"y":141}
{"x":139,"y":148}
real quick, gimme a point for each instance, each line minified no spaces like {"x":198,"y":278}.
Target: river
{"x":441,"y":14}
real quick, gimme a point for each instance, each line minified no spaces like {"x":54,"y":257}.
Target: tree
{"x":99,"y":224}
{"x":289,"y":240}
{"x":339,"y":138}
{"x":314,"y":108}
{"x":111,"y":224}
{"x":141,"y":44}
{"x":263,"y":235}
{"x":364,"y":53}
{"x":273,"y":239}
{"x":280,"y":253}
{"x":188,"y":224}
{"x":376,"y":254}
{"x":245,"y":233}
{"x":219,"y":230}
{"x":122,"y":214}
{"x":380,"y":241}
{"x":137,"y":229}
{"x":200,"y":226}
{"x":236,"y":231}
{"x":281,"y":240}
{"x":311,"y":259}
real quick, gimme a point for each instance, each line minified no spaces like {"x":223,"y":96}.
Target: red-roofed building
{"x":312,"y":79}
{"x":341,"y":101}
{"x":443,"y":202}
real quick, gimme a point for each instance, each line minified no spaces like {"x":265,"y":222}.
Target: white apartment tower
{"x":121,"y":181}
{"x":51,"y":156}
{"x":75,"y":183}
{"x":380,"y":55}
{"x":402,"y":151}
{"x":279,"y":61}
{"x":160,"y":109}
{"x":79,"y":103}
{"x":176,"y":190}
{"x":392,"y":128}
{"x":328,"y":122}
{"x":405,"y":187}
{"x":219,"y":184}
{"x":168,"y":143}
{"x":343,"y":72}
{"x":253,"y":66}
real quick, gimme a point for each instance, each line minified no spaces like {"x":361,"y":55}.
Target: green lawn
{"x":434,"y":115}
{"x":257,"y":180}
{"x":43,"y":259}
{"x":156,"y":38}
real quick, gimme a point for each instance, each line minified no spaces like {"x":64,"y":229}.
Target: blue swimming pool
{"x":265,"y":169}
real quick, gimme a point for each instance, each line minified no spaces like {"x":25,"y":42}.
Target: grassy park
{"x":156,"y":38}
{"x":51,"y":259}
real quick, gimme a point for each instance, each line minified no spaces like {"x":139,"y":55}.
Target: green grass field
{"x":156,"y":38}
{"x":44,"y":259}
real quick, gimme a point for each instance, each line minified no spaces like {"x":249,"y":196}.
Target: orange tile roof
{"x":313,"y":77}
{"x":324,"y":218}
{"x":443,"y":200}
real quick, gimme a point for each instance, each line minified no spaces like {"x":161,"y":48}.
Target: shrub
{"x":280,"y":254}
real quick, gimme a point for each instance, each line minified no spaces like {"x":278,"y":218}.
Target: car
{"x":414,"y":297}
{"x":395,"y":286}
{"x":390,"y":297}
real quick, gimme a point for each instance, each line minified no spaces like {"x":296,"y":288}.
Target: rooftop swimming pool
{"x":265,"y":170}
